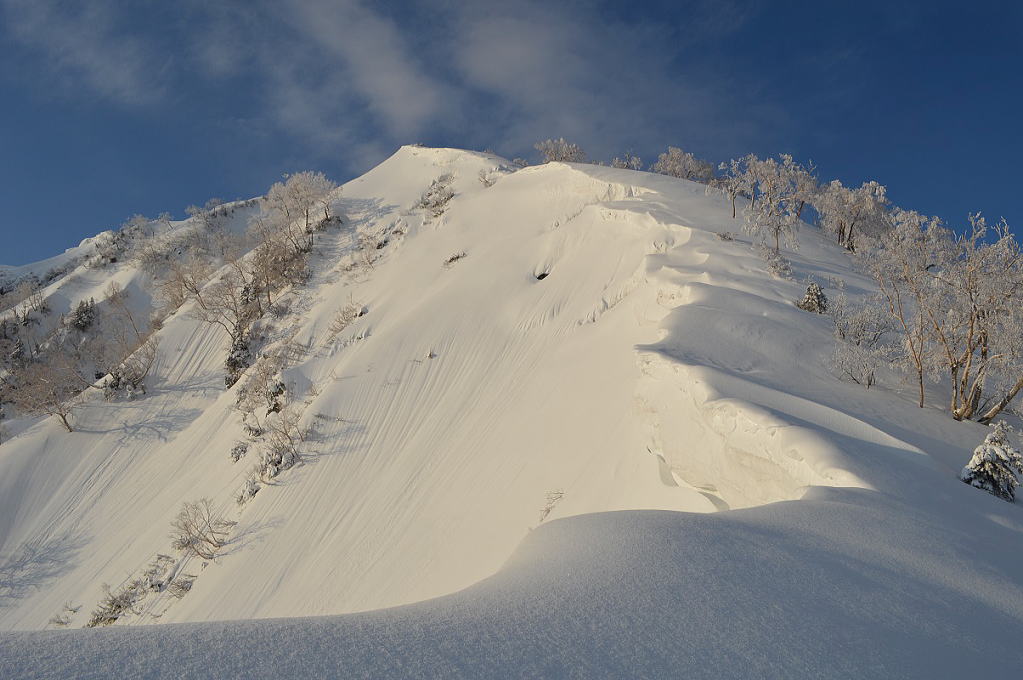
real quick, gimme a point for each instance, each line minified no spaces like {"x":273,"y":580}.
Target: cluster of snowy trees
{"x":949,"y":309}
{"x":674,"y":162}
{"x":235,"y":279}
{"x":46,"y":363}
{"x":678,"y":163}
{"x":778,"y":190}
{"x":45,"y":366}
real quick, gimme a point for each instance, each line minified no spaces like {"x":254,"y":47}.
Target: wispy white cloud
{"x":378,"y":63}
{"x":81,"y":46}
{"x":366,"y":77}
{"x":565,"y":69}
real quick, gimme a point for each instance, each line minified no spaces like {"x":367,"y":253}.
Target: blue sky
{"x":114,"y":108}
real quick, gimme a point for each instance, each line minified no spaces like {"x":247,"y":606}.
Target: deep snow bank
{"x":843,"y":586}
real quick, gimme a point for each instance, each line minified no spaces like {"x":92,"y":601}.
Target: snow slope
{"x":656,"y":367}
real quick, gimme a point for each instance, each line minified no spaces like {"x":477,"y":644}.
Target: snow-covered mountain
{"x":553,"y":344}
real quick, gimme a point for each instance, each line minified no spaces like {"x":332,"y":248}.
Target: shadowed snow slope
{"x":853,"y":587}
{"x":598,"y":348}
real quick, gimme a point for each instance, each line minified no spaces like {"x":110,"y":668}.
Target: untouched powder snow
{"x":598,"y":348}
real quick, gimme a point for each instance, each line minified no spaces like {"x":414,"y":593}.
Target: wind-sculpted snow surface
{"x":595,"y":346}
{"x":844,"y":585}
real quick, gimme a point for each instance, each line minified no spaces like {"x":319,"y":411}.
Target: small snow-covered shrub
{"x":252,"y":431}
{"x":283,"y":439}
{"x":199,"y":529}
{"x":551,"y":500}
{"x":344,"y":317}
{"x":776,"y":264}
{"x":995,"y":465}
{"x":181,"y":586}
{"x":238,"y":359}
{"x":129,"y":378}
{"x":726,"y":236}
{"x":435,"y":199}
{"x":114,"y":605}
{"x":250,"y":488}
{"x":262,"y":389}
{"x":238,"y":451}
{"x":63,"y":619}
{"x":454,"y":258}
{"x":814,"y":300}
{"x":486,"y":180}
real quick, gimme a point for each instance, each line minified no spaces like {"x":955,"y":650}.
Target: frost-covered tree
{"x":863,"y":339}
{"x":847,"y":213}
{"x":803,"y":183}
{"x":48,"y":388}
{"x":775,"y":203}
{"x":120,"y":310}
{"x":199,"y":529}
{"x":437,"y":196}
{"x":629,"y":161}
{"x":558,"y":150}
{"x":230,"y":303}
{"x":900,"y":265}
{"x":995,"y":465}
{"x":736,"y":180}
{"x":972,"y":308}
{"x":955,"y":301}
{"x":312,"y":192}
{"x":295,"y":206}
{"x":678,"y":163}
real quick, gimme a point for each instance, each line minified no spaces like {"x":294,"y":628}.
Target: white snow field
{"x":638,"y":465}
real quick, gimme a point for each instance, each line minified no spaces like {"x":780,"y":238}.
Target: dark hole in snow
{"x":542,"y":275}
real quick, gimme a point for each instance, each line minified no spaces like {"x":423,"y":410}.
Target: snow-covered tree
{"x":199,"y":529}
{"x":735,"y":180}
{"x":629,"y":161}
{"x":83,"y":315}
{"x":230,"y":303}
{"x":437,"y":196}
{"x":995,"y":465}
{"x":972,"y":308}
{"x":558,"y":150}
{"x":774,"y":208}
{"x":863,"y":339}
{"x":48,"y":387}
{"x":678,"y":163}
{"x":847,"y":213}
{"x":900,"y":265}
{"x":814,"y":300}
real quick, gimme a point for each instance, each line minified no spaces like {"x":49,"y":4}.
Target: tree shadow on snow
{"x":35,"y":563}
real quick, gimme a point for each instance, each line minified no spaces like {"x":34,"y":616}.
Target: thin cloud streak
{"x":334,"y":74}
{"x":82,"y":47}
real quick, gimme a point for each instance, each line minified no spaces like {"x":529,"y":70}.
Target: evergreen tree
{"x":814,"y":300}
{"x":995,"y":465}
